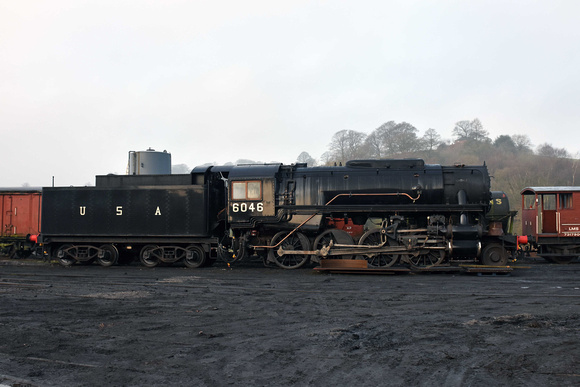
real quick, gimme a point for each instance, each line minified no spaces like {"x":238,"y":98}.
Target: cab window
{"x":247,"y":190}
{"x":254,"y":190}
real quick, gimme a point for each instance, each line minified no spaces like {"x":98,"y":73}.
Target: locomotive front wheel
{"x":110,"y":257}
{"x":295,"y":242}
{"x":373,"y":238}
{"x":63,"y":256}
{"x":494,"y":255}
{"x":337,"y":237}
{"x":147,"y":257}
{"x":195,"y":257}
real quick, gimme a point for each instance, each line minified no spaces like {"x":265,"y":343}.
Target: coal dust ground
{"x":254,"y":326}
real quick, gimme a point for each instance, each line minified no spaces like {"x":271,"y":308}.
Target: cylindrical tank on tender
{"x":149,"y":162}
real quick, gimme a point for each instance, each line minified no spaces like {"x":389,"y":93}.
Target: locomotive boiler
{"x":386,"y":212}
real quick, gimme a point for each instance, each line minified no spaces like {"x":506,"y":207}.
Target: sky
{"x":82,"y":83}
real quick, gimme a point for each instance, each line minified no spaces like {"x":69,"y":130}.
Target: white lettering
{"x":245,"y":207}
{"x":119,"y":210}
{"x":158,"y":211}
{"x":83,"y":210}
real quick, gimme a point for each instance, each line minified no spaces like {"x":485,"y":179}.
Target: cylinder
{"x":466,"y":249}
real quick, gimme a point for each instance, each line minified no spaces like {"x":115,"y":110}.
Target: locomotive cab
{"x":251,"y":194}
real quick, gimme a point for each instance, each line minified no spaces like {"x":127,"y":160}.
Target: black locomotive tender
{"x":388,"y":212}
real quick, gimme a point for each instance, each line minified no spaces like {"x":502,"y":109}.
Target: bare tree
{"x":477,"y":132}
{"x":471,"y":130}
{"x":548,"y":150}
{"x":380,"y":139}
{"x":345,"y":145}
{"x":406,"y":138}
{"x":505,"y":142}
{"x":575,"y":165}
{"x":431,"y":140}
{"x":373,"y":146}
{"x":305,"y":157}
{"x":391,"y":138}
{"x":522,"y":142}
{"x":462,"y":130}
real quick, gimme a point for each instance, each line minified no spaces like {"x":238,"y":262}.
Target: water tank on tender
{"x":149,"y":162}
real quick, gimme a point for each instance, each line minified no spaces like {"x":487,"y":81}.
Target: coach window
{"x":529,"y":201}
{"x":566,"y":201}
{"x":247,"y":190}
{"x":549,"y":202}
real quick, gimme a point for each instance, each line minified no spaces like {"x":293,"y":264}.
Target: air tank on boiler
{"x":149,"y":162}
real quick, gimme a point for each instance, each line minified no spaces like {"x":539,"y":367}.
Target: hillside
{"x":510,"y":170}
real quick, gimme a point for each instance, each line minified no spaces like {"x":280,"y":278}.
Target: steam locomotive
{"x":387,"y":212}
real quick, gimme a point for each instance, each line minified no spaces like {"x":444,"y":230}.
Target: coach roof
{"x":545,"y":190}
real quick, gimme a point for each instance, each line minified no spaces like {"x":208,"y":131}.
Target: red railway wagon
{"x":20,"y":218}
{"x":551,"y":215}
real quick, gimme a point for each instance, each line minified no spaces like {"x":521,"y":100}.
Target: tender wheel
{"x":373,"y":238}
{"x":148,"y":257}
{"x":294,"y":242}
{"x":63,"y":255}
{"x":494,"y":255}
{"x":195,"y":257}
{"x":432,"y":258}
{"x":337,"y":237}
{"x":110,"y":257}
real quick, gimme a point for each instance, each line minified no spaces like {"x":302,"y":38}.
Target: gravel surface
{"x":250,"y":325}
